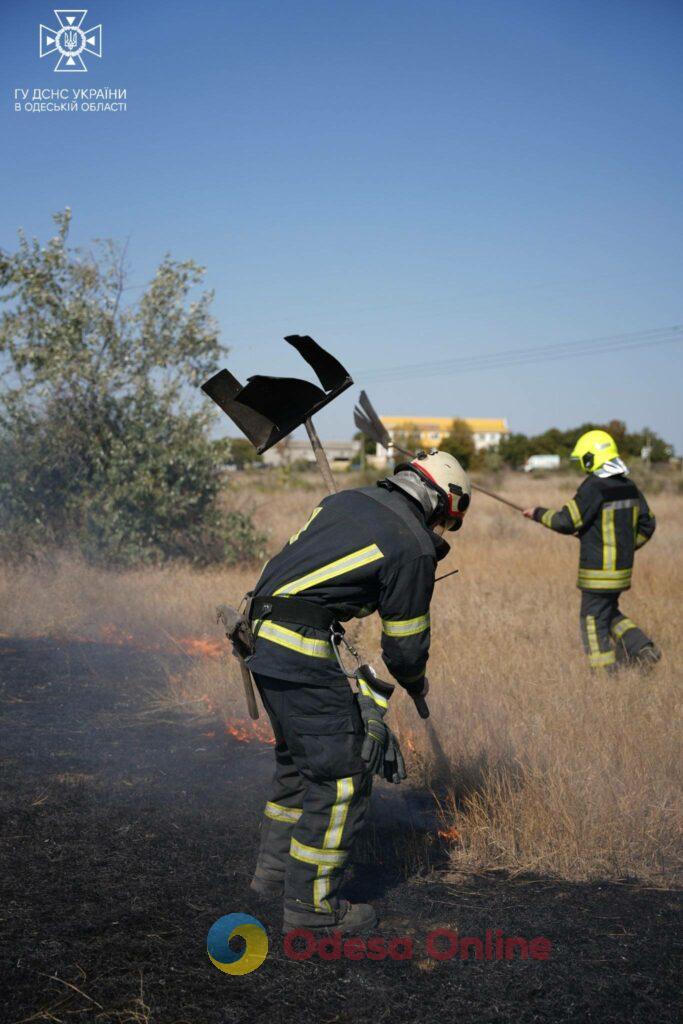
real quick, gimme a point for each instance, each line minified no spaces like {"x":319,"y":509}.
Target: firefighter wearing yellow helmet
{"x":611,"y":518}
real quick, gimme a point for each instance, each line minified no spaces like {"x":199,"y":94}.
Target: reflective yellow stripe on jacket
{"x":277,"y":634}
{"x":573,"y":510}
{"x":405,"y":627}
{"x":609,"y":541}
{"x":348,"y":563}
{"x":295,"y":536}
{"x":289,"y":638}
{"x":604,"y":579}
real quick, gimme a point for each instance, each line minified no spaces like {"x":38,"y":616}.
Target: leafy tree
{"x":99,"y":447}
{"x":368,"y":445}
{"x":241,"y":453}
{"x":633,"y":444}
{"x":515,"y":449}
{"x":460,"y":442}
{"x":553,"y":442}
{"x":617,"y":428}
{"x":408,"y":436}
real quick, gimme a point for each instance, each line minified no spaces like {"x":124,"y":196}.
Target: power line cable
{"x":519,"y":357}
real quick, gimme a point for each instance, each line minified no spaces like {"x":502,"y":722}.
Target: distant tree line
{"x":515,"y":449}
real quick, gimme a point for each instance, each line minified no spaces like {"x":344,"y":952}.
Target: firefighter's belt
{"x":293,"y":610}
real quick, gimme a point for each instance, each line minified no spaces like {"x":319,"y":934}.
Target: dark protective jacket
{"x":361,"y":551}
{"x":612,"y":520}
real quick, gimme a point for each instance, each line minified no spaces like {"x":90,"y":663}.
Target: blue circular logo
{"x":228,"y":927}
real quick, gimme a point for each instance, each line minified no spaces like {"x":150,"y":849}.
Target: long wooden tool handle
{"x":320,"y":457}
{"x":252,"y":706}
{"x":497,"y":497}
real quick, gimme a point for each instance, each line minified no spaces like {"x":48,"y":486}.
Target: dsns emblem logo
{"x":232,"y":926}
{"x":70,"y":40}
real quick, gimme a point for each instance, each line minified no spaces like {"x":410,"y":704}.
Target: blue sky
{"x":404,"y":181}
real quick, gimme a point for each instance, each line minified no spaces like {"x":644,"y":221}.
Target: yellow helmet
{"x":594,"y":449}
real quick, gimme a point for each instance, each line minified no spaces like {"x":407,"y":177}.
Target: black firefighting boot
{"x":647,"y":657}
{"x":347,"y":918}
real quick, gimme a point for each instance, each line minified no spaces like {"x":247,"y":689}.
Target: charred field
{"x":130,"y":825}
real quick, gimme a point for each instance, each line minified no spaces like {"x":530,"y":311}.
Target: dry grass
{"x":551,"y":769}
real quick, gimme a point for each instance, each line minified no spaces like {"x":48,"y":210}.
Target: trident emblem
{"x":70,"y":40}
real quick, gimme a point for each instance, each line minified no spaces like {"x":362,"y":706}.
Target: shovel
{"x":267,"y":409}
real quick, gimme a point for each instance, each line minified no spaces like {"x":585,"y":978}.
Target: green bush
{"x":101,"y":449}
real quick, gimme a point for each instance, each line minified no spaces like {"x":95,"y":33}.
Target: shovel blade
{"x":267,"y":409}
{"x":223,"y":389}
{"x":328,"y":370}
{"x":367,"y":421}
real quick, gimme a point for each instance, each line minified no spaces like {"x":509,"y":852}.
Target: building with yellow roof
{"x":486,"y":433}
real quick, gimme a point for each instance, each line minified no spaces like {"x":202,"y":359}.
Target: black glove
{"x":418,"y":691}
{"x":373,"y":702}
{"x":394,"y":766}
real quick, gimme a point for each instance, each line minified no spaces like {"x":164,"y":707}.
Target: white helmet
{"x":444,"y":474}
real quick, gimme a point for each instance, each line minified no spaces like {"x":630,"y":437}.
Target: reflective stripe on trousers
{"x":609,"y":637}
{"x":320,"y":790}
{"x":597,"y":655}
{"x":331,"y":855}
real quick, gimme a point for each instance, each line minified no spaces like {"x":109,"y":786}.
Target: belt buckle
{"x":336,"y":633}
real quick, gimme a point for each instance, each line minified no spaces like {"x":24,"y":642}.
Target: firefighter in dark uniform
{"x":612,"y":520}
{"x":361,"y":551}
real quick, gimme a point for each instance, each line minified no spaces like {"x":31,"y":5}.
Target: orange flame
{"x":201,"y":646}
{"x":195,"y":646}
{"x":244,"y":730}
{"x":449,"y":835}
{"x":111,"y":634}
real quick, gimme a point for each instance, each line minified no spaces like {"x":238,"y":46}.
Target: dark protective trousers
{"x":320,"y":791}
{"x":609,"y":637}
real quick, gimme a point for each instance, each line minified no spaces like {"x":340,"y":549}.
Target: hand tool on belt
{"x":238,"y":632}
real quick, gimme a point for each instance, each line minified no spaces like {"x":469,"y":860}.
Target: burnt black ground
{"x":126,"y":832}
